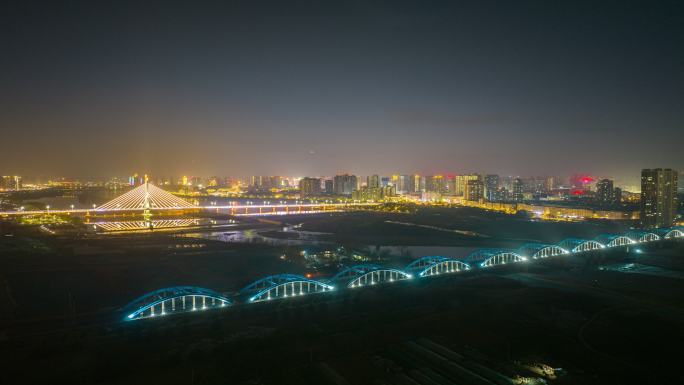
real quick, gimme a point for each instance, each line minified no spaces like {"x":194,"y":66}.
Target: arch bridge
{"x":435,"y":265}
{"x":575,"y":245}
{"x":614,"y":240}
{"x":369,"y":274}
{"x":643,"y":236}
{"x":495,"y":257}
{"x":672,"y":232}
{"x":283,"y":286}
{"x":541,"y":250}
{"x":179,"y":299}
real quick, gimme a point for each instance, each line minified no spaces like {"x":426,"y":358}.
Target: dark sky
{"x":312,"y":88}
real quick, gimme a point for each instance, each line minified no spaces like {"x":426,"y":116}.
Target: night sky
{"x":317,"y":88}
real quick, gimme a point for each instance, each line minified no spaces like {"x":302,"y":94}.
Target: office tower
{"x":605,"y":192}
{"x":474,"y":190}
{"x":518,"y":190}
{"x":309,"y":187}
{"x":492,"y":187}
{"x":435,"y":183}
{"x":658,"y":197}
{"x":373,"y":181}
{"x":345,"y":184}
{"x":384,"y":181}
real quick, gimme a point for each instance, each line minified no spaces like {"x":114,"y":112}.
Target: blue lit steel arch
{"x":575,"y":245}
{"x":283,"y":286}
{"x":614,"y":240}
{"x":435,"y":265}
{"x":672,"y":232}
{"x":494,"y":257}
{"x":643,"y":236}
{"x":178,"y":299}
{"x":541,"y":250}
{"x":369,"y":274}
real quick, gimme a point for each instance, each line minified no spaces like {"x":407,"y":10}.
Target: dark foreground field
{"x":599,"y":326}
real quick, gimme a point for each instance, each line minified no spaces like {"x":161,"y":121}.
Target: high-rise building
{"x":404,"y":184}
{"x":474,"y":190}
{"x":385,"y":181}
{"x":617,"y":196}
{"x":658,"y":197}
{"x":263,"y":182}
{"x":605,"y":192}
{"x":450,"y":185}
{"x":461,"y":181}
{"x":309,"y":187}
{"x":373,"y":194}
{"x":345,"y":184}
{"x":518,"y":190}
{"x":373,"y":181}
{"x":492,"y":187}
{"x":329,"y":186}
{"x":435,"y":183}
{"x":11,"y":182}
{"x":419,"y":182}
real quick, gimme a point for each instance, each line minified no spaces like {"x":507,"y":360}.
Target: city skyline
{"x":316,"y":89}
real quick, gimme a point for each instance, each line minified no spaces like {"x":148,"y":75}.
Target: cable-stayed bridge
{"x":148,"y":197}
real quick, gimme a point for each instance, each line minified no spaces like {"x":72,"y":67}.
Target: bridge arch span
{"x":369,"y":274}
{"x":283,"y":286}
{"x":614,"y":240}
{"x":435,"y":265}
{"x":672,"y":233}
{"x":541,"y":250}
{"x":643,"y":236}
{"x":178,"y":299}
{"x":495,"y":257}
{"x":575,"y":245}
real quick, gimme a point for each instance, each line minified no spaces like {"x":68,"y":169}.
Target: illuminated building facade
{"x":11,"y":182}
{"x":518,"y":190}
{"x":658,"y":197}
{"x":491,"y":186}
{"x":345,"y":184}
{"x":605,"y":192}
{"x":309,"y":187}
{"x":373,"y":181}
{"x":474,"y":191}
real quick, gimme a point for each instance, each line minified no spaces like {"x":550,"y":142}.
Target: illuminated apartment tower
{"x":373,"y":181}
{"x":474,"y":190}
{"x":345,"y":184}
{"x":309,"y":187}
{"x":492,"y":187}
{"x":518,"y":190}
{"x":605,"y":193}
{"x":658,"y":197}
